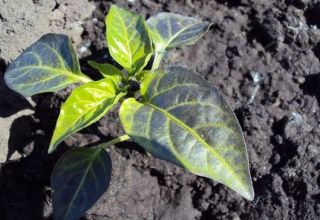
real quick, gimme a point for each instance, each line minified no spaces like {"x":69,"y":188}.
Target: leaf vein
{"x":158,"y":93}
{"x":81,"y":182}
{"x":198,"y":138}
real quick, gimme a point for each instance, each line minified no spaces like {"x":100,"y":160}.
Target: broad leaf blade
{"x":107,"y":71}
{"x":169,"y":30}
{"x":185,"y":120}
{"x":128,"y":39}
{"x":48,"y":65}
{"x":78,"y":179}
{"x":86,"y":105}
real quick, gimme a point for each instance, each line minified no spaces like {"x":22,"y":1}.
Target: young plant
{"x":176,"y":116}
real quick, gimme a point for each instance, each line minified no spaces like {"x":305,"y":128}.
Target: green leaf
{"x":185,"y":120}
{"x":48,"y":65}
{"x":128,"y":39}
{"x":108,"y":71}
{"x":169,"y":30}
{"x":78,"y":179}
{"x":86,"y":105}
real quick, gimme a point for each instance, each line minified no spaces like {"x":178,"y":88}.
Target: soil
{"x":264,"y":56}
{"x":18,"y":29}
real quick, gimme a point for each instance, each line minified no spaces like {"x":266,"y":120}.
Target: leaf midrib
{"x":69,"y":131}
{"x":127,"y":39}
{"x":107,"y":108}
{"x":194,"y":133}
{"x":177,"y":34}
{"x":51,"y":69}
{"x":82,"y":181}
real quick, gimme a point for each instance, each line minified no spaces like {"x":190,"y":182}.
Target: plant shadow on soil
{"x":311,"y":86}
{"x":22,"y":192}
{"x":10,"y":102}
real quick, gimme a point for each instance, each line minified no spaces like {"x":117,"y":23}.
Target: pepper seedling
{"x":176,"y":116}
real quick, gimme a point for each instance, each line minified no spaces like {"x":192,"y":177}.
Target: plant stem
{"x":157,"y":59}
{"x":115,"y":141}
{"x":84,"y":78}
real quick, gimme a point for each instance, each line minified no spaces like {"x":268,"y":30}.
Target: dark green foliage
{"x":176,"y":115}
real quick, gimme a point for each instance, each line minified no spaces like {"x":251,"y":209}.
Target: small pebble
{"x":83,"y":49}
{"x":256,"y":77}
{"x":294,"y":117}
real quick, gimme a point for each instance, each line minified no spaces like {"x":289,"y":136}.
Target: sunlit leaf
{"x":48,"y":65}
{"x":170,"y":30}
{"x":107,"y":71}
{"x":78,"y":179}
{"x":86,"y":105}
{"x":185,"y":120}
{"x":128,"y":39}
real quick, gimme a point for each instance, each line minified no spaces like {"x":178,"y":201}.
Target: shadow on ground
{"x":10,"y":101}
{"x":25,"y":183}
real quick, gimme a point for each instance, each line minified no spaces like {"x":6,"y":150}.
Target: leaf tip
{"x":50,"y":149}
{"x":52,"y":146}
{"x":248,"y":193}
{"x":243,"y":186}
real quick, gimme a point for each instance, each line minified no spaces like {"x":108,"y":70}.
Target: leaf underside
{"x":78,"y":179}
{"x":185,"y":120}
{"x":48,"y":65}
{"x":128,"y":39}
{"x":86,"y":105}
{"x":169,"y":30}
